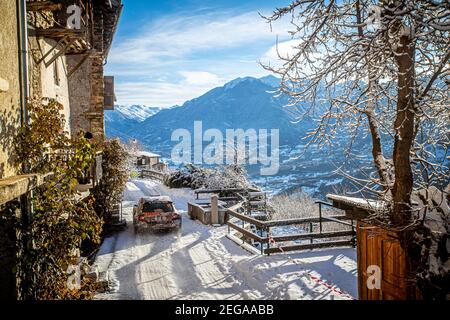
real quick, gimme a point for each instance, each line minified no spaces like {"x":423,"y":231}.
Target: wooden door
{"x":378,"y":247}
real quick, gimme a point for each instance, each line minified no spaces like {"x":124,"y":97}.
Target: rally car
{"x":157,"y":213}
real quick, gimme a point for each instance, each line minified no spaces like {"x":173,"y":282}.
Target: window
{"x":153,"y":206}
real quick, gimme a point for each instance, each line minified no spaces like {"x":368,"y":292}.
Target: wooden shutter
{"x":109,"y":96}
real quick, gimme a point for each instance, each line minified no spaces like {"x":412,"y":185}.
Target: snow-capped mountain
{"x":126,"y":117}
{"x":136,"y":112}
{"x":244,"y":103}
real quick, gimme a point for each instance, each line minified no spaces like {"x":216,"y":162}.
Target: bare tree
{"x":379,"y":68}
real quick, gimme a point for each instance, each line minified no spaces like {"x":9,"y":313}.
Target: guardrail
{"x":264,"y":231}
{"x":152,"y":174}
{"x":223,"y":192}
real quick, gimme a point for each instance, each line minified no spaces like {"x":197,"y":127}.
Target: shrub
{"x":109,"y":190}
{"x":191,"y":176}
{"x":60,"y":222}
{"x":301,"y":205}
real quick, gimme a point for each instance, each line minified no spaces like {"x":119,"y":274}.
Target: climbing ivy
{"x":60,"y":221}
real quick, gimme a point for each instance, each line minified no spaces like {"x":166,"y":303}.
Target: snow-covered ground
{"x":202,"y":263}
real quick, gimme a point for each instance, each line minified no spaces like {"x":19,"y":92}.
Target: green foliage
{"x":44,"y":134}
{"x":115,"y":175}
{"x":134,"y":174}
{"x":60,"y":221}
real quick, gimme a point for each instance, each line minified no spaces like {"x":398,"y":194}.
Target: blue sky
{"x":168,"y":51}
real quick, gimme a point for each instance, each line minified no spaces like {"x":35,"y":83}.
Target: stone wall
{"x":97,"y":97}
{"x":96,"y":115}
{"x":80,"y":93}
{"x":45,"y":80}
{"x":86,"y":86}
{"x":10,"y":121}
{"x":86,"y":95}
{"x":10,"y":109}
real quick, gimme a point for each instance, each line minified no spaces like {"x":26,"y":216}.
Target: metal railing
{"x":91,"y":175}
{"x":263,"y":231}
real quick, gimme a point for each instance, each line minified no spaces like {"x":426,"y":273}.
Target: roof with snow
{"x":145,"y":154}
{"x":368,"y":205}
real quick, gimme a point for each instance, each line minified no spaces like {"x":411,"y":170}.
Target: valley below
{"x":249,"y":104}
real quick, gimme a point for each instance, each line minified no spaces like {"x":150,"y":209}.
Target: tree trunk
{"x":404,"y":130}
{"x":377,"y":149}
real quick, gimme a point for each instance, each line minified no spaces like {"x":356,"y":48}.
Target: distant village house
{"x":149,"y":160}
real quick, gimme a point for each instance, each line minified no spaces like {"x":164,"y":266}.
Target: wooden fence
{"x":225,"y":192}
{"x":152,"y":174}
{"x":263,"y":230}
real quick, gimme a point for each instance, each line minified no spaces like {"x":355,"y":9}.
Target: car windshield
{"x":153,"y":206}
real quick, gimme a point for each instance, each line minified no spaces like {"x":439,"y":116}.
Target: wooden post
{"x":354,"y":237}
{"x":214,"y":209}
{"x":261,"y":243}
{"x":243,"y":227}
{"x":320,"y":217}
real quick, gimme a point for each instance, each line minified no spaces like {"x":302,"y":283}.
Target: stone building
{"x":53,"y":49}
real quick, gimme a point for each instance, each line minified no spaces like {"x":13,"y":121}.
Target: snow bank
{"x":202,"y":263}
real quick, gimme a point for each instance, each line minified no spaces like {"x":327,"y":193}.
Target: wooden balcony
{"x":55,"y":16}
{"x":92,"y":175}
{"x":89,"y":178}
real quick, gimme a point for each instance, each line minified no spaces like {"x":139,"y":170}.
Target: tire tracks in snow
{"x":200,"y":263}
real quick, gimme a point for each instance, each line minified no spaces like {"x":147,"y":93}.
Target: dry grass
{"x":301,"y":205}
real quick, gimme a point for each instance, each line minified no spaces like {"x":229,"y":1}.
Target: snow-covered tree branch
{"x":379,"y":68}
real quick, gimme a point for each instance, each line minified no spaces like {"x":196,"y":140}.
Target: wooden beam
{"x":53,"y":48}
{"x":248,"y":219}
{"x":338,"y":221}
{"x":315,"y":235}
{"x":43,"y":6}
{"x":57,"y":32}
{"x":309,"y":246}
{"x":287,"y":222}
{"x":60,"y":52}
{"x":247,"y":233}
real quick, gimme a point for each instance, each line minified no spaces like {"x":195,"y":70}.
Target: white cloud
{"x":284,"y":49}
{"x":200,"y":78}
{"x":167,"y":94}
{"x":179,"y":57}
{"x":176,"y":36}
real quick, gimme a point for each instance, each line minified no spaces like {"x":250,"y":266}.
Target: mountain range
{"x":242,"y":103}
{"x":120,"y":120}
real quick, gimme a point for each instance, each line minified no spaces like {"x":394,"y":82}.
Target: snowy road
{"x":202,"y":263}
